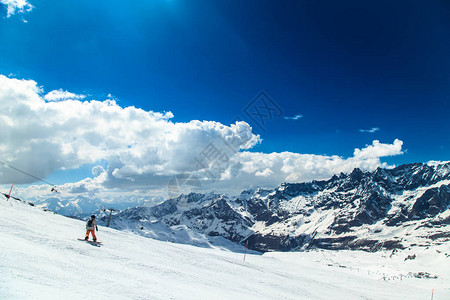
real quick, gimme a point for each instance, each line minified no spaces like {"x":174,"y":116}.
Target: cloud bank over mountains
{"x":142,"y":150}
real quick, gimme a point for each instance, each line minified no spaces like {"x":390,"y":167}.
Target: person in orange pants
{"x":90,"y":226}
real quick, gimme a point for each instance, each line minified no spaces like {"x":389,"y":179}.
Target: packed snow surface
{"x":41,"y":258}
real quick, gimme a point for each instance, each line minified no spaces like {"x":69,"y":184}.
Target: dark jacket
{"x":93,"y":225}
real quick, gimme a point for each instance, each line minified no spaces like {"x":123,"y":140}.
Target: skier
{"x":90,"y":226}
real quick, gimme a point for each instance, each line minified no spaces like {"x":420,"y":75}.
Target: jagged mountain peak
{"x":186,"y":199}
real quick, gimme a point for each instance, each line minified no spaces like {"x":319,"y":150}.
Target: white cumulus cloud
{"x":59,"y":95}
{"x":16,"y":6}
{"x":378,"y":149}
{"x":140,"y":147}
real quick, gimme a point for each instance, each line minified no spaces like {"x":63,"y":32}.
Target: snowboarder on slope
{"x":90,"y":226}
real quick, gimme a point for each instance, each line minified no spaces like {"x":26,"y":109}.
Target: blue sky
{"x":352,"y":71}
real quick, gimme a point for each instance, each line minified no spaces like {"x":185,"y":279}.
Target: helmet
{"x":93,"y":216}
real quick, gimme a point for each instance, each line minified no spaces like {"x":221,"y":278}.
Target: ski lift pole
{"x":110,"y":215}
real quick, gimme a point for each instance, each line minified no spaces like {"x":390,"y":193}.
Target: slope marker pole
{"x":246,"y":246}
{"x":7,"y":198}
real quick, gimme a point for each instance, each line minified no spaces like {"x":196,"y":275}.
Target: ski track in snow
{"x":41,"y":258}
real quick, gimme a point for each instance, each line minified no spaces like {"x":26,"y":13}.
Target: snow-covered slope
{"x":41,"y":258}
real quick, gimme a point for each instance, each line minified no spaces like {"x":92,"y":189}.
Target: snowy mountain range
{"x":81,"y":206}
{"x":74,"y":207}
{"x":384,"y":209}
